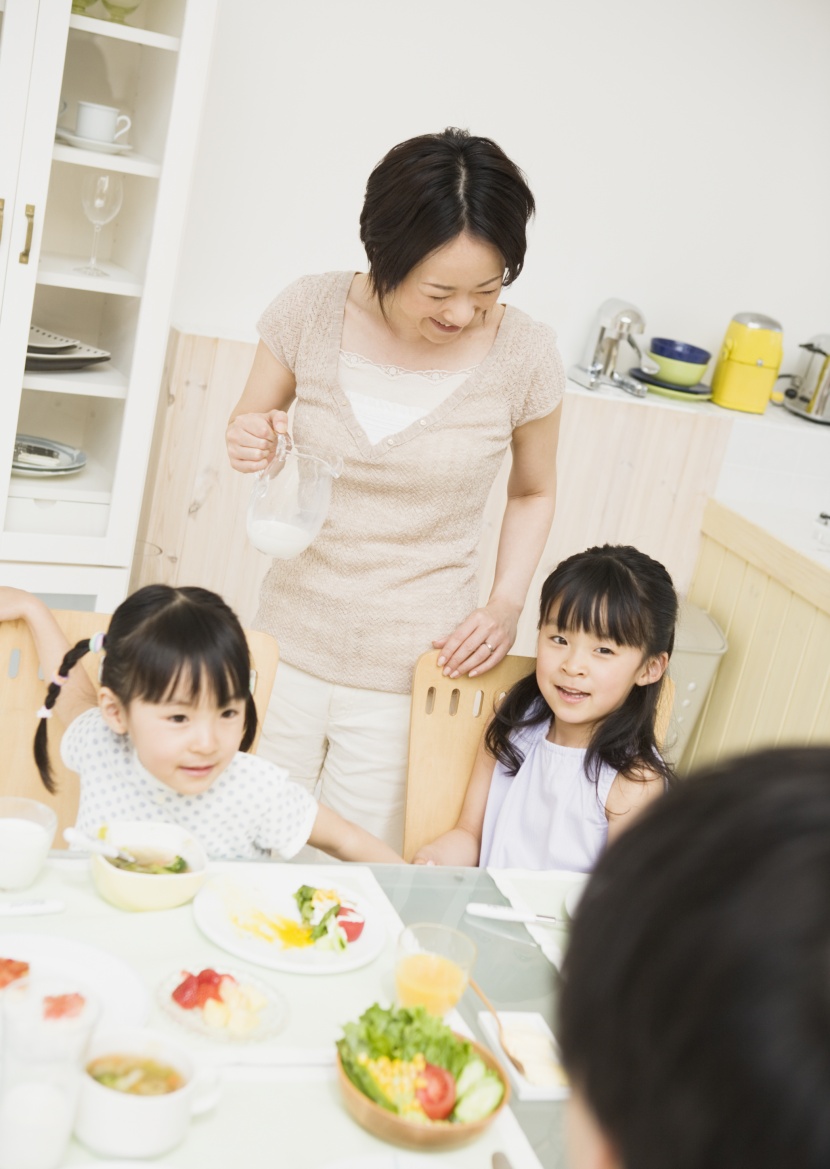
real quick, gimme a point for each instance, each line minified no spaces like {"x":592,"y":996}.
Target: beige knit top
{"x":395,"y":564}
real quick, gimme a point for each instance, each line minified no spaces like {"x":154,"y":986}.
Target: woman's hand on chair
{"x":480,"y":641}
{"x":252,"y":439}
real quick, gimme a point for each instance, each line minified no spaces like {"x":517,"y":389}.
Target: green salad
{"x":411,"y":1063}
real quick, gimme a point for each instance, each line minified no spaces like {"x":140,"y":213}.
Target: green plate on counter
{"x":681,"y":395}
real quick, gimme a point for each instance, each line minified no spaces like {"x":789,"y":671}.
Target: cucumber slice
{"x":480,"y":1100}
{"x":471,"y":1073}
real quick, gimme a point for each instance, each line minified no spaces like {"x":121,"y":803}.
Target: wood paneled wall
{"x":773,"y":604}
{"x":628,"y":472}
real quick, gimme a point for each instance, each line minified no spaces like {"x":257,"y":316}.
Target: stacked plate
{"x":43,"y":458}
{"x":50,"y":351}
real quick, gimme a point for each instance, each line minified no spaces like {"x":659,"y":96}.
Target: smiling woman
{"x":418,"y":377}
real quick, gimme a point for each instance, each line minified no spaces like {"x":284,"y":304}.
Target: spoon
{"x":503,"y":1040}
{"x":81,"y":840}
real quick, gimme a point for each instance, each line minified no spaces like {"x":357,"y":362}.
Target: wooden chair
{"x":22,"y":691}
{"x":448,"y":719}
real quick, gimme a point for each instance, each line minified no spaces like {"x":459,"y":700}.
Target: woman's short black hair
{"x":695,"y":1007}
{"x":428,"y":190}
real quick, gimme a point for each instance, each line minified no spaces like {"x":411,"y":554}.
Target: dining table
{"x":279,"y":1104}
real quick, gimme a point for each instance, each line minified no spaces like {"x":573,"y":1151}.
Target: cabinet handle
{"x":2,"y":209}
{"x":30,"y":226}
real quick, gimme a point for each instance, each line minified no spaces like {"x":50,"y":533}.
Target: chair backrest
{"x":447,"y":721}
{"x":22,"y":691}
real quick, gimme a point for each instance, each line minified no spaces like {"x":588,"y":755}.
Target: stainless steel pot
{"x":809,"y":391}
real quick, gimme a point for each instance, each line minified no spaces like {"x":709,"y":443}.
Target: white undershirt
{"x":386,"y":399}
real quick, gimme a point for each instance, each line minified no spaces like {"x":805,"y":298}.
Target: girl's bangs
{"x":188,"y":667}
{"x":603,"y":609}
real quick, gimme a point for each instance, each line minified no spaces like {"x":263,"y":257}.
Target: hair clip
{"x":44,"y":712}
{"x":252,"y":681}
{"x":96,"y":643}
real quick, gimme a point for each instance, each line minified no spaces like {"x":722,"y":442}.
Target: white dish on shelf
{"x":71,"y":139}
{"x":270,"y":1020}
{"x":67,"y":459}
{"x":44,"y":341}
{"x":77,"y":358}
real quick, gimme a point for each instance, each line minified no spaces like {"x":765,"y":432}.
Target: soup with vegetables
{"x":151,"y":863}
{"x":135,"y":1074}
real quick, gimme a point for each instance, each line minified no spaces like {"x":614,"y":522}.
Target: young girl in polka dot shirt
{"x":165,"y":737}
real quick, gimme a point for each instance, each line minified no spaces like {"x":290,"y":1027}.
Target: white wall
{"x":677,"y":151}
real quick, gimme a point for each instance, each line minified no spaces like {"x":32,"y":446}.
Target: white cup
{"x":100,"y":123}
{"x":27,"y":829}
{"x":117,"y":1124}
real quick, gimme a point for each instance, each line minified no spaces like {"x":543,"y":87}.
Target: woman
{"x":420,"y":380}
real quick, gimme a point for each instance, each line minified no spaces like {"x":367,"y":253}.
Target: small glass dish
{"x":271,"y":1019}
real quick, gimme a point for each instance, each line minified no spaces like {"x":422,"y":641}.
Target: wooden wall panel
{"x":773,"y":604}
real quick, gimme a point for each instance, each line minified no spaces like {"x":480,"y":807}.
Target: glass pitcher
{"x":290,"y":500}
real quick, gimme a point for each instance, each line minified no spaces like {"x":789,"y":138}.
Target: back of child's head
{"x":617,"y":592}
{"x":694,"y":1015}
{"x":164,"y":641}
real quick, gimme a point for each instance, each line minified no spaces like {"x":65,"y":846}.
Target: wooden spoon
{"x":503,"y":1040}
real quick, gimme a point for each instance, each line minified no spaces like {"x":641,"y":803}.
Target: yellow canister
{"x":748,"y":363}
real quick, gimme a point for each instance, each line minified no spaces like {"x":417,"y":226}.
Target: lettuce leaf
{"x":403,"y":1033}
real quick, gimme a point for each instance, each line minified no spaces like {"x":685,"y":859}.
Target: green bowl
{"x":679,"y":373}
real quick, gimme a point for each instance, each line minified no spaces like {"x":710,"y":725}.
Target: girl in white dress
{"x":570,"y":757}
{"x":165,"y":738}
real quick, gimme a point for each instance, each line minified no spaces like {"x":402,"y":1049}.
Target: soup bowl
{"x":146,"y":891}
{"x":116,"y":1123}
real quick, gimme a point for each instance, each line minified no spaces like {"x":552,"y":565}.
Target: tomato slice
{"x":62,"y":1006}
{"x":186,"y":992}
{"x":11,"y":970}
{"x":437,"y":1096}
{"x":351,"y":922}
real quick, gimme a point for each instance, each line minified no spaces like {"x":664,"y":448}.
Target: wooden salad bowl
{"x":412,"y":1134}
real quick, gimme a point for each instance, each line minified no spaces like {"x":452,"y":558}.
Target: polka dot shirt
{"x":252,"y":810}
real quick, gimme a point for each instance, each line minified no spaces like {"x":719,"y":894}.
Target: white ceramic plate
{"x":66,"y":461}
{"x":528,"y":1021}
{"x":91,"y":143}
{"x":122,"y":995}
{"x":270,"y":1020}
{"x":222,"y":905}
{"x":44,"y":341}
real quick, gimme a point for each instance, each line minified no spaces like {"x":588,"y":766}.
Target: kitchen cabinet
{"x":73,"y":536}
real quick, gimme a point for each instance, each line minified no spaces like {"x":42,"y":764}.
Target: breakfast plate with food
{"x":275,"y":920}
{"x":223,"y":1004}
{"x":121,"y":994}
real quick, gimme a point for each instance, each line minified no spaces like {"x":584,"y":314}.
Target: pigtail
{"x":41,"y":746}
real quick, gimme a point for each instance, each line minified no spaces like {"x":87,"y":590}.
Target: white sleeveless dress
{"x":549,"y":815}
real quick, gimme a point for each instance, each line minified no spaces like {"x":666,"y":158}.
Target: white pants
{"x":348,"y":747}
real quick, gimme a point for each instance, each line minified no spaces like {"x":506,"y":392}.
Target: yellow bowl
{"x":141,"y":891}
{"x":412,"y":1134}
{"x":679,"y":373}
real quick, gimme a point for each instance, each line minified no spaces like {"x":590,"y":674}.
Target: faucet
{"x":616,"y":321}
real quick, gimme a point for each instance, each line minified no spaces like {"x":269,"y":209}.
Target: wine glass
{"x":118,"y":9}
{"x":102,"y":195}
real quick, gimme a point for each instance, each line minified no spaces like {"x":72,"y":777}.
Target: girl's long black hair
{"x":612,"y":591}
{"x":161,"y":636}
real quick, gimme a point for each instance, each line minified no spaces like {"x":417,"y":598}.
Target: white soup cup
{"x":100,"y":123}
{"x":117,"y":1124}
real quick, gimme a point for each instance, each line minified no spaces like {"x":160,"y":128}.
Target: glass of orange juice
{"x":432,"y":967}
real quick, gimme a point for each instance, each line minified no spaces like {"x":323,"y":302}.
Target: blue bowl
{"x":679,"y":351}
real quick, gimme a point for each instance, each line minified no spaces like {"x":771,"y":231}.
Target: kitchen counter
{"x":775,"y":469}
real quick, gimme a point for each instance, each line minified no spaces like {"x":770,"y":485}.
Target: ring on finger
{"x":491,"y":648}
